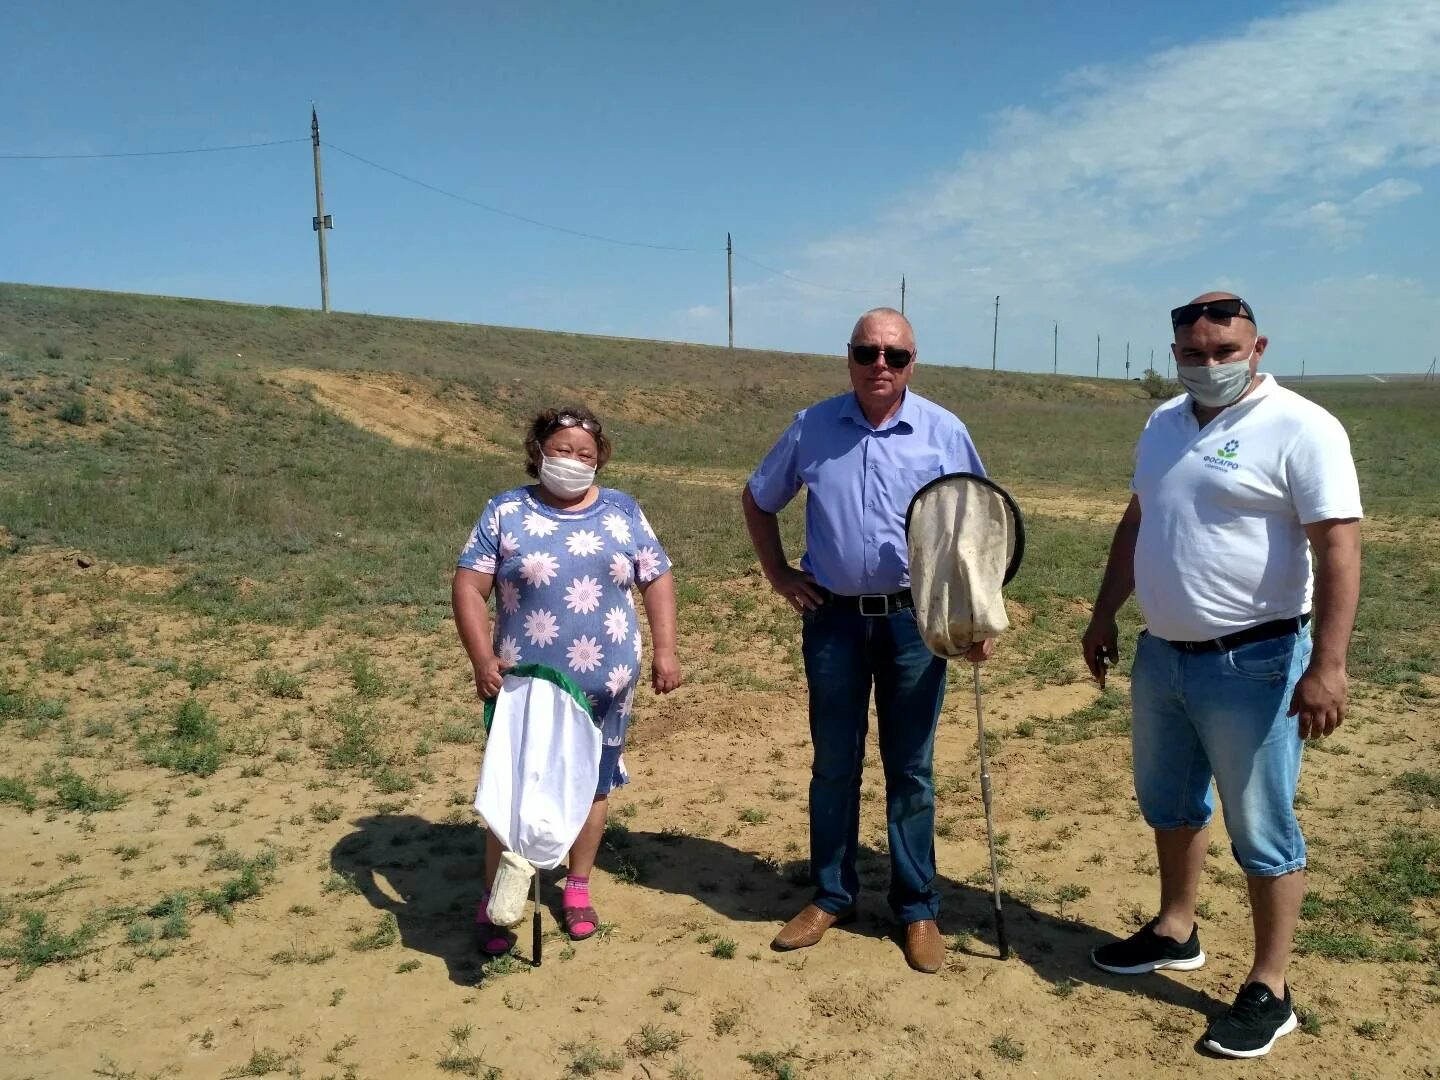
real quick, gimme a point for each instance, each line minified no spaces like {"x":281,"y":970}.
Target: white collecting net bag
{"x":539,"y":773}
{"x":965,"y":538}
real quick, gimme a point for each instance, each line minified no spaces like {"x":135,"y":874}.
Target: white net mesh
{"x":964,"y":536}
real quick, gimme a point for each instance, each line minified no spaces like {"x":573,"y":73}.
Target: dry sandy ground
{"x":716,"y":826}
{"x":714,"y":837}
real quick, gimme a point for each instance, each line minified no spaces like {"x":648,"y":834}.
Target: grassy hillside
{"x":240,"y":737}
{"x":148,"y":429}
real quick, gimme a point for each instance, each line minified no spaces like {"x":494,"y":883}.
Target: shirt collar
{"x":908,"y":414}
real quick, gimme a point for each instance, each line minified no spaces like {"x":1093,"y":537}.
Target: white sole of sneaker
{"x":1188,"y":964}
{"x":1284,"y":1029}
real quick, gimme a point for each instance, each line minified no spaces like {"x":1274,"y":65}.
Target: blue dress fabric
{"x":564,"y":587}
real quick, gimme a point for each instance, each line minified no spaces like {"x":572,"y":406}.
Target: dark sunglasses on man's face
{"x":1189,"y":314}
{"x":895,"y":359}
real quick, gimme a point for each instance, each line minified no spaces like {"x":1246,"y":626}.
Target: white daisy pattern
{"x":538,"y":568}
{"x":541,"y":627}
{"x":618,"y":679}
{"x":583,"y":595}
{"x":583,"y":542}
{"x":617,"y":624}
{"x":618,"y":527}
{"x":584,"y":654}
{"x":620,"y":570}
{"x":508,"y":652}
{"x":647,"y":564}
{"x":565,"y":591}
{"x":537,"y":524}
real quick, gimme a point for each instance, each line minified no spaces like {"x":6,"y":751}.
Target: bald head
{"x":887,"y":318}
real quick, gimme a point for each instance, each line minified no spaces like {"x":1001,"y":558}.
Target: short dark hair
{"x":547,"y":423}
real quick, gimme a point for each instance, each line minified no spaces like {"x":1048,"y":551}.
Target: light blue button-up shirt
{"x":860,"y":481}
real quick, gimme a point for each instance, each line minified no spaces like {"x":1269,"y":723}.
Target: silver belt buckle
{"x":874,"y":604}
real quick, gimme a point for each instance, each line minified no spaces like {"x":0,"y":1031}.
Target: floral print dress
{"x":565,"y":598}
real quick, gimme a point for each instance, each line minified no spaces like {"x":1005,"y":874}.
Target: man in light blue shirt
{"x":863,"y":456}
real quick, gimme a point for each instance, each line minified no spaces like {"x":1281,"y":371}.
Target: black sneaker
{"x":1253,"y":1023}
{"x":1146,"y":951}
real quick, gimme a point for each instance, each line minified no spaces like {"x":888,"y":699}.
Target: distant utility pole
{"x":1430,"y":374}
{"x":902,"y":294}
{"x":1152,"y":358}
{"x":1055,"y":352}
{"x":1302,"y":369}
{"x":1127,"y":361}
{"x":1168,"y":357}
{"x":995,"y":334}
{"x":321,"y":221}
{"x":1097,"y":356}
{"x":730,"y":285}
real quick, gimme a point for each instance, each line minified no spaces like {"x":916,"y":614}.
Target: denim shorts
{"x":1222,"y":715}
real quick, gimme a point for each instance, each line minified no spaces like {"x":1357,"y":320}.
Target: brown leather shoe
{"x":809,"y":927}
{"x":924,"y":947}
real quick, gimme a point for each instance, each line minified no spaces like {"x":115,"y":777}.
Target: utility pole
{"x":1055,"y":351}
{"x":1302,"y":369}
{"x":1152,"y":358}
{"x":1097,"y":356}
{"x":321,"y":221}
{"x":995,"y":334}
{"x":902,"y":294}
{"x":1430,"y":374}
{"x":730,"y":285}
{"x":1127,"y":361}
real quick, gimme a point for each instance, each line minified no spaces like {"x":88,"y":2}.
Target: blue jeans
{"x":1222,"y":714}
{"x":847,"y":653}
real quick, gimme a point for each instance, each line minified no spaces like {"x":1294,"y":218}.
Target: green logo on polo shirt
{"x":1224,"y":458}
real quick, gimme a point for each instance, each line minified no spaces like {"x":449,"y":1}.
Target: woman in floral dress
{"x":567,"y":556}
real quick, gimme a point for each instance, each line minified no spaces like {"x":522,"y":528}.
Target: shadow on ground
{"x":432,"y":881}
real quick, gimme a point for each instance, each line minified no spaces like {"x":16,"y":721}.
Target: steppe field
{"x":239,"y":739}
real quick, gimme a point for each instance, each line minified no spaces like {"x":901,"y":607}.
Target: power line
{"x":812,"y":284}
{"x":149,"y":153}
{"x":507,"y":213}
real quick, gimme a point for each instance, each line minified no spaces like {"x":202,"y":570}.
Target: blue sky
{"x":1092,"y":165}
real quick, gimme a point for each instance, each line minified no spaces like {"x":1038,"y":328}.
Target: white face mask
{"x":565,"y":477}
{"x":1218,"y":385}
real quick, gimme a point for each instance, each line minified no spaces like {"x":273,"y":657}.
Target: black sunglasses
{"x":895,"y":359}
{"x":1189,"y":314}
{"x":567,"y":420}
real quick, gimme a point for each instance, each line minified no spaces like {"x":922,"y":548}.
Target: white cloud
{"x":701,"y":312}
{"x":1385,"y":194}
{"x":1129,"y":169}
{"x":1341,"y":224}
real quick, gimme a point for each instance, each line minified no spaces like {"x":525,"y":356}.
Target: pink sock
{"x":577,"y":892}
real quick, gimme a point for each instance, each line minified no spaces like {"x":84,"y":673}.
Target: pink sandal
{"x":494,"y":940}
{"x":581,"y":922}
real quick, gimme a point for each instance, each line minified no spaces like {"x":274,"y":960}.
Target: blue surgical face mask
{"x":1216,"y":385}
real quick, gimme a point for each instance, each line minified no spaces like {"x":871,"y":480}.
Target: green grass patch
{"x":190,"y":743}
{"x":39,"y":943}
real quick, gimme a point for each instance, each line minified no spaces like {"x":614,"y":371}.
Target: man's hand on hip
{"x":1319,"y":700}
{"x":798,"y":588}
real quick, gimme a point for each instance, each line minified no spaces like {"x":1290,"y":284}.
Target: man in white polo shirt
{"x":1238,"y":483}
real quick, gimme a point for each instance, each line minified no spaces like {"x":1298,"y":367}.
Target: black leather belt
{"x":1249,"y":636}
{"x":875,"y":604}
